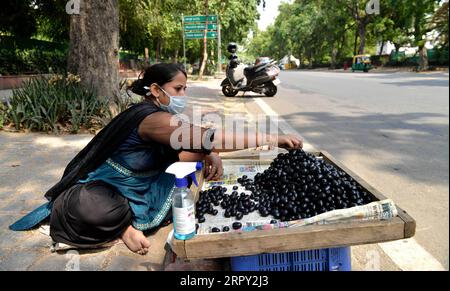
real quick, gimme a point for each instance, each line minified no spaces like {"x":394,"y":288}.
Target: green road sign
{"x":200,"y":19}
{"x":197,"y":27}
{"x":200,"y":35}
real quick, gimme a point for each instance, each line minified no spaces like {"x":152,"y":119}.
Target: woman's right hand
{"x":213,"y":167}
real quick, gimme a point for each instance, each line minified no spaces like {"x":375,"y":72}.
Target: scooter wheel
{"x":271,"y":89}
{"x":229,"y":91}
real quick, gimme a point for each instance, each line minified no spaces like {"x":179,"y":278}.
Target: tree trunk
{"x":300,"y":59}
{"x":212,"y":57}
{"x":158,"y":50}
{"x":177,"y":52}
{"x":310,"y":59}
{"x":334,"y":52}
{"x":362,"y":37}
{"x":205,"y":43}
{"x":382,"y":47}
{"x":397,"y":47}
{"x":94,"y":46}
{"x":147,"y":59}
{"x":341,"y":46}
{"x":423,"y":59}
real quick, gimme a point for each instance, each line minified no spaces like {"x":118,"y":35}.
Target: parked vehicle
{"x":261,"y":78}
{"x":362,"y":63}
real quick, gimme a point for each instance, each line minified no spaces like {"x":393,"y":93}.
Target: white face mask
{"x":176,"y":105}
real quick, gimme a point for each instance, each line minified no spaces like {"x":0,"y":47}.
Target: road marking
{"x":407,"y":254}
{"x":282,"y":124}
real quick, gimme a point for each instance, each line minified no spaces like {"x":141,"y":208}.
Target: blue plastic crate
{"x":333,"y":259}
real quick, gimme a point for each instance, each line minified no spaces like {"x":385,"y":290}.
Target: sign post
{"x":219,"y":48}
{"x":184,"y":43}
{"x":194,"y":27}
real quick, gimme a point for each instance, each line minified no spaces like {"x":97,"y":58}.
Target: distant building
{"x":290,"y":59}
{"x":389,"y":47}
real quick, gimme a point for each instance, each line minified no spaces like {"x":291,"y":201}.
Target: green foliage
{"x":322,"y":31}
{"x":27,"y":18}
{"x":31,"y":61}
{"x":310,"y":30}
{"x":440,"y":24}
{"x":3,"y":117}
{"x":157,"y":25}
{"x":10,"y":62}
{"x":53,"y":23}
{"x":152,"y":24}
{"x":18,"y":55}
{"x":17,"y":17}
{"x":55,"y":104}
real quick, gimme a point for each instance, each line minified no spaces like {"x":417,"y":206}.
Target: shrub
{"x":15,"y":62}
{"x":2,"y":115}
{"x":10,"y":62}
{"x":57,"y":103}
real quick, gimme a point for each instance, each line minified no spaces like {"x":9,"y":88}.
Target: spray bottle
{"x":183,"y":205}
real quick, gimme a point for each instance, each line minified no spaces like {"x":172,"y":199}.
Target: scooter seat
{"x":253,"y":69}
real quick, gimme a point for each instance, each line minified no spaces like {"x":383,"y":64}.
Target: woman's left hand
{"x":213,"y":167}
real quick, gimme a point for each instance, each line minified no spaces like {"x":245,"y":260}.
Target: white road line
{"x":282,"y":124}
{"x":407,"y":254}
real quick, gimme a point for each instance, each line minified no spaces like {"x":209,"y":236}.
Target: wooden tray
{"x":295,"y":239}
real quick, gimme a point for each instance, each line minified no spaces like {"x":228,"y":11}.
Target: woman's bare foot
{"x":135,"y":240}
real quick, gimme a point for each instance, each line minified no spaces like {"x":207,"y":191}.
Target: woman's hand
{"x":290,"y":142}
{"x":213,"y":166}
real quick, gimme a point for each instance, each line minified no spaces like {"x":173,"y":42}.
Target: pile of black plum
{"x":299,"y":185}
{"x":296,"y":185}
{"x":207,"y":200}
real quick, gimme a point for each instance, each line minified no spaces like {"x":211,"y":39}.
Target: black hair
{"x":160,"y":74}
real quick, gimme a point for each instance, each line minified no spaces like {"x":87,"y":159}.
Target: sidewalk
{"x":31,"y":163}
{"x":5,"y":95}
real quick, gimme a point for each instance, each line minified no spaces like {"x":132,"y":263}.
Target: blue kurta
{"x":137,"y":170}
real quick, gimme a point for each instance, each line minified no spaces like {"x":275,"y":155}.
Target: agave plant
{"x":3,"y":113}
{"x":55,"y":103}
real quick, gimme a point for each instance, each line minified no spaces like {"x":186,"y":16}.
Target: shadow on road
{"x":391,"y":135}
{"x":424,"y":83}
{"x":437,"y":79}
{"x":249,"y":96}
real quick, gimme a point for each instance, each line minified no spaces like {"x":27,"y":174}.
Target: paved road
{"x":390,"y":128}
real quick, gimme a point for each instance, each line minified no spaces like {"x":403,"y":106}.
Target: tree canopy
{"x":157,"y":25}
{"x":321,"y":31}
{"x":316,"y":31}
{"x":152,"y":24}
